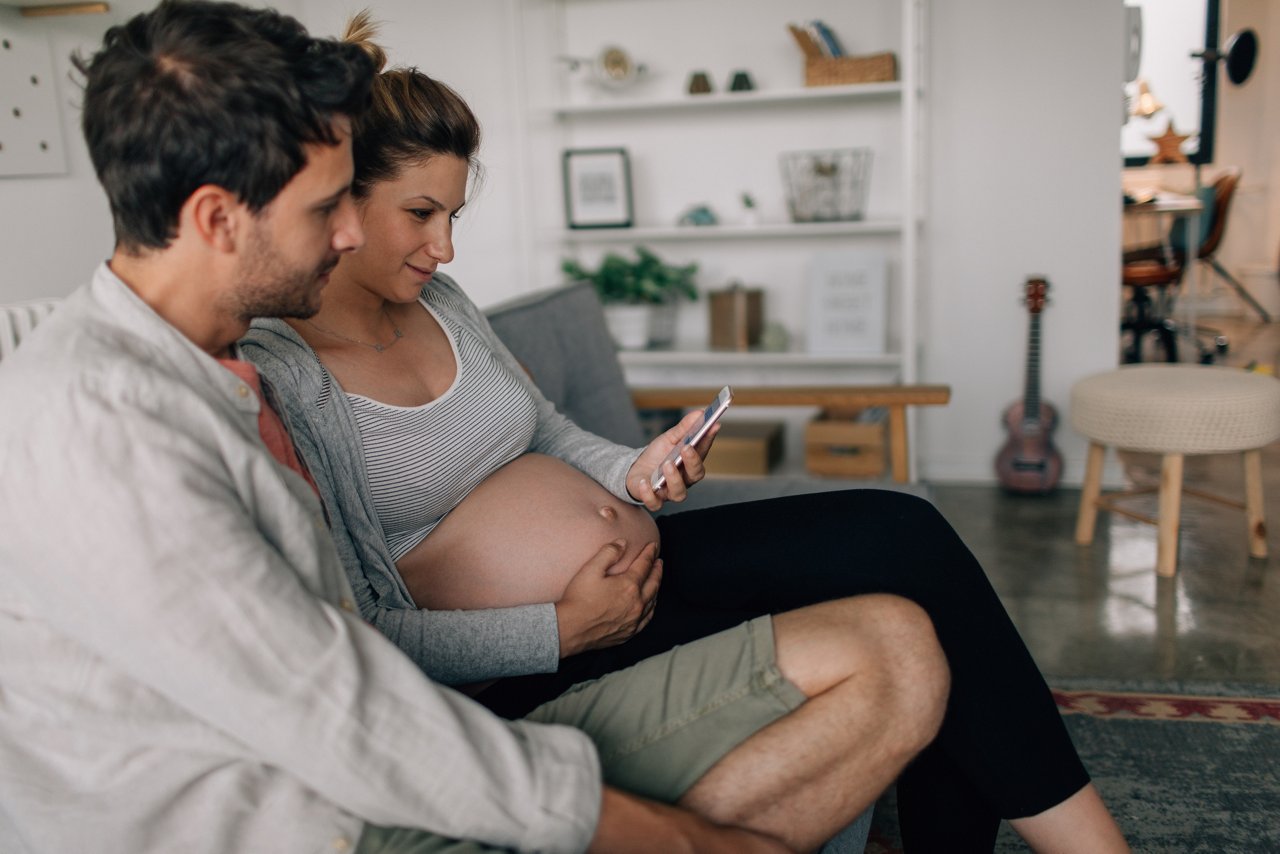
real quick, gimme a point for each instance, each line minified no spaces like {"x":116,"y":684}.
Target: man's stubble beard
{"x":268,"y":288}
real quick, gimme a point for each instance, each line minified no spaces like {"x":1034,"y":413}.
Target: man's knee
{"x":885,"y":643}
{"x":915,"y":662}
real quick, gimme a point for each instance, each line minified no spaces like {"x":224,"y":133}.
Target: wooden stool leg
{"x":1087,"y":518}
{"x":1170,"y":507}
{"x":1253,"y":502}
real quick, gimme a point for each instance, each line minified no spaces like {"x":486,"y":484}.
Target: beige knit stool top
{"x":1175,"y":410}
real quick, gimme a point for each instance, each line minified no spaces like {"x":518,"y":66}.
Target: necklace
{"x":374,"y":346}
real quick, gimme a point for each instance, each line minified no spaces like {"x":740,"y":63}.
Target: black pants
{"x":1002,"y":752}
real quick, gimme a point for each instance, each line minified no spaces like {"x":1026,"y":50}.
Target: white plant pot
{"x":628,"y":324}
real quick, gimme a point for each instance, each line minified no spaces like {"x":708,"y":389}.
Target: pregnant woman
{"x":497,"y":543}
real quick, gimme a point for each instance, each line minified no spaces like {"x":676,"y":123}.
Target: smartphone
{"x":710,"y":416}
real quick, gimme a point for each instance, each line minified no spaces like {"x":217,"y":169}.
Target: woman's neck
{"x":351,"y":309}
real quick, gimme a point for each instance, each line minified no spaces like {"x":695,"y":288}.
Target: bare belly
{"x":520,"y":536}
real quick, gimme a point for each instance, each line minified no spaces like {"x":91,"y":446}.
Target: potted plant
{"x":639,"y":295}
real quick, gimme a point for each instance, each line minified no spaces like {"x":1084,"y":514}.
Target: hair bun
{"x":360,"y":31}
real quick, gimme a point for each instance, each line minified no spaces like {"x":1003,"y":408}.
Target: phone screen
{"x":710,"y":416}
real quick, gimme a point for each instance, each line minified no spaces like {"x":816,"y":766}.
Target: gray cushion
{"x":560,"y":337}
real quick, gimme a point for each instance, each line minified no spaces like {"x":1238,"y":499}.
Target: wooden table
{"x":895,"y":398}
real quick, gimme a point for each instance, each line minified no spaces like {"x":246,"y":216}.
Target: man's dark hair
{"x":196,"y":92}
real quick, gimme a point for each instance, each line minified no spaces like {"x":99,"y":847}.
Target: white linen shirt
{"x":180,"y":666}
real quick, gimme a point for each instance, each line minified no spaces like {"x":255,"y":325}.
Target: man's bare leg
{"x":877,"y":684}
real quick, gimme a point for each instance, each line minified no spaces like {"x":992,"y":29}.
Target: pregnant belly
{"x":520,"y":536}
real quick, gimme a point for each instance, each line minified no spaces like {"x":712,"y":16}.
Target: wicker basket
{"x":832,"y":71}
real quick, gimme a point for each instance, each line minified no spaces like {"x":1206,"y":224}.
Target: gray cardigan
{"x":454,"y":647}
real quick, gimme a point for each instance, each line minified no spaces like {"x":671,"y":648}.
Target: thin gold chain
{"x":374,"y":346}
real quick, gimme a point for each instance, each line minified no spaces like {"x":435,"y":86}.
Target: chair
{"x":1155,"y":268}
{"x":1175,"y":410}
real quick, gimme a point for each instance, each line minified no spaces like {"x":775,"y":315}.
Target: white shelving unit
{"x":686,"y":149}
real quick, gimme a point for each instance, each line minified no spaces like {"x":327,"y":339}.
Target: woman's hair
{"x":411,"y":118}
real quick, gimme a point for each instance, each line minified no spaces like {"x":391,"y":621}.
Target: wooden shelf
{"x":691,"y":233}
{"x":715,"y":100}
{"x":754,"y":359}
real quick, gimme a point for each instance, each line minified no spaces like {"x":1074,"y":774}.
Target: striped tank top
{"x":423,"y":460}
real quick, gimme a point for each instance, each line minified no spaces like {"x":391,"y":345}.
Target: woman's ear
{"x":213,"y":216}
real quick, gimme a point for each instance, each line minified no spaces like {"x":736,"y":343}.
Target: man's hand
{"x":632,"y":825}
{"x":679,"y":478}
{"x":601,"y":608}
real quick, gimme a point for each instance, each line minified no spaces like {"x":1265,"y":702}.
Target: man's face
{"x":298,"y":238}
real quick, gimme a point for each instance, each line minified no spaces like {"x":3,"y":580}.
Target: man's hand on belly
{"x":599,"y":609}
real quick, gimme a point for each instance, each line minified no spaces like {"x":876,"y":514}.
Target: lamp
{"x":1145,"y":105}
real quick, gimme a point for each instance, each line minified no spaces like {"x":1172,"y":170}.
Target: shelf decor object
{"x":597,"y":188}
{"x":640,"y":296}
{"x":827,"y":186}
{"x":847,"y":301}
{"x":837,"y":70}
{"x":823,"y":66}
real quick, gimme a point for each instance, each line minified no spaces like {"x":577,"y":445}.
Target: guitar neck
{"x":1031,"y":393}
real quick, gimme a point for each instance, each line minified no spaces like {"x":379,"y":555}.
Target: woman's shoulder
{"x":281,"y":355}
{"x":443,"y":294}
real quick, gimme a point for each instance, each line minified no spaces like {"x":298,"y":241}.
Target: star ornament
{"x":1169,"y":146}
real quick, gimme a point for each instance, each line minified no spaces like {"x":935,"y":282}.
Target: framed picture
{"x":597,"y":188}
{"x":847,"y":302}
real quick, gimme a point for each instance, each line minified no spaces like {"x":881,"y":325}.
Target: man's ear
{"x":213,"y":216}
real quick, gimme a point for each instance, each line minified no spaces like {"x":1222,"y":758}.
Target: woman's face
{"x":408,"y":223}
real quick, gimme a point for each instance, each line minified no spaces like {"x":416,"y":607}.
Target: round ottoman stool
{"x":1175,"y":410}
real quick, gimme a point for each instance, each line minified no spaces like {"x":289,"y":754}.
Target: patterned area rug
{"x":1190,"y":768}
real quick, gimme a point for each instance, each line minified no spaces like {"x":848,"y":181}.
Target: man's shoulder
{"x":80,"y":362}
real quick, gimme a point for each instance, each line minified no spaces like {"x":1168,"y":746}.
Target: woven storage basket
{"x":832,"y":71}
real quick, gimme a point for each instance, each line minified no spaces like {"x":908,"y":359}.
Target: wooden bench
{"x":894,"y":398}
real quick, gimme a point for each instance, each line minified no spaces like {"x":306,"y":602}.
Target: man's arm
{"x":632,"y":825}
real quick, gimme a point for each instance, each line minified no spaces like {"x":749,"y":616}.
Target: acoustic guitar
{"x":1028,"y":462}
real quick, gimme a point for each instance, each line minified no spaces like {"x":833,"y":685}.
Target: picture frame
{"x":597,"y":188}
{"x":847,"y":297}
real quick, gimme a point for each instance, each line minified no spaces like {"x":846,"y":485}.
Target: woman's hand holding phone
{"x":674,"y":460}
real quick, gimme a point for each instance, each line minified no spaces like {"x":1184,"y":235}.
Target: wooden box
{"x":833,"y":71}
{"x":841,"y":447}
{"x":746,"y":447}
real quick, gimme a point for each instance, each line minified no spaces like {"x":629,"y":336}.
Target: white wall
{"x":1024,"y":179}
{"x":1014,"y":189}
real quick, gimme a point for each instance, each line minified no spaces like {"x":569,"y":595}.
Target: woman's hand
{"x":679,"y":478}
{"x":605,"y":605}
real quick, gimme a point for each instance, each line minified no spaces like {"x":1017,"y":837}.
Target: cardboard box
{"x":842,"y":447}
{"x":746,"y":447}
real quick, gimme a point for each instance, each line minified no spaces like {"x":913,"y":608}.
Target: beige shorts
{"x":659,"y":725}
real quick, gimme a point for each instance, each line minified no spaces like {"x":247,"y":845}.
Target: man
{"x":180,"y":665}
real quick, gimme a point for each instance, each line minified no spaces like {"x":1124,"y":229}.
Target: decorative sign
{"x":597,"y":188}
{"x":30,"y":124}
{"x":847,"y":302}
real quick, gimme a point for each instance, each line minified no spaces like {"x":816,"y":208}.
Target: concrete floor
{"x":1100,"y":612}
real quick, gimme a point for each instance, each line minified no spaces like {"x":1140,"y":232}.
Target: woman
{"x":476,"y":523}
